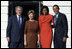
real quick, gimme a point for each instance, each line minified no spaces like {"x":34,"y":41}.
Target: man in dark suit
{"x":15,"y":29}
{"x":61,"y":28}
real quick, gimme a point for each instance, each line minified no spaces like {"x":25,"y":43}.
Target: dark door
{"x":27,"y":5}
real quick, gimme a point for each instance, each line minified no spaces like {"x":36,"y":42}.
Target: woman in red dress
{"x":45,"y":21}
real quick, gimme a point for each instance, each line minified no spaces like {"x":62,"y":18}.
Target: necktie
{"x":55,"y":19}
{"x":19,"y":21}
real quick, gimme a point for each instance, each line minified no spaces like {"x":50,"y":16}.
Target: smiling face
{"x":44,"y":11}
{"x":55,"y":9}
{"x":31,"y":16}
{"x":18,"y":10}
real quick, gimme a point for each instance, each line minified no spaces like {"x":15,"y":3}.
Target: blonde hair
{"x":31,"y":11}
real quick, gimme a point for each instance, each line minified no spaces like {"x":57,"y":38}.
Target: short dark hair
{"x":46,"y":9}
{"x":56,"y":6}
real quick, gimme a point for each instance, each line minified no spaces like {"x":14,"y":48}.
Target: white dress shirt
{"x":20,"y":19}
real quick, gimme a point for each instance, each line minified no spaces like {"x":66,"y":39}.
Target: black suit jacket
{"x":61,"y":27}
{"x":13,"y":30}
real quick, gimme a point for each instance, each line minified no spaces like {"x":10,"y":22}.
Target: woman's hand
{"x":38,"y":42}
{"x":25,"y":43}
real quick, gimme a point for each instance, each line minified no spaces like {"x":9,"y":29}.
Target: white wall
{"x":4,"y":19}
{"x":65,"y":7}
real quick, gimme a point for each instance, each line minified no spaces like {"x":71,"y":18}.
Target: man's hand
{"x":64,"y":39}
{"x":8,"y":39}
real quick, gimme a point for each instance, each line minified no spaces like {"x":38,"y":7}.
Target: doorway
{"x":27,"y":5}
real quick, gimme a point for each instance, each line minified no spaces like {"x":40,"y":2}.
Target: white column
{"x":4,"y":19}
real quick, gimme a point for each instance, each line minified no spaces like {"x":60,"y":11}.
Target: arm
{"x":39,"y":23}
{"x":52,"y":22}
{"x":45,"y":20}
{"x":25,"y":31}
{"x":8,"y":31}
{"x":65,"y":24}
{"x":38,"y":30}
{"x":38,"y":42}
{"x":25,"y":40}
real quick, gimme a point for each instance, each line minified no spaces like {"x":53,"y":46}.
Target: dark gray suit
{"x":15,"y":32}
{"x":61,"y":30}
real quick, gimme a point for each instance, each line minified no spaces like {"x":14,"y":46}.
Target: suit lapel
{"x":16,"y":20}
